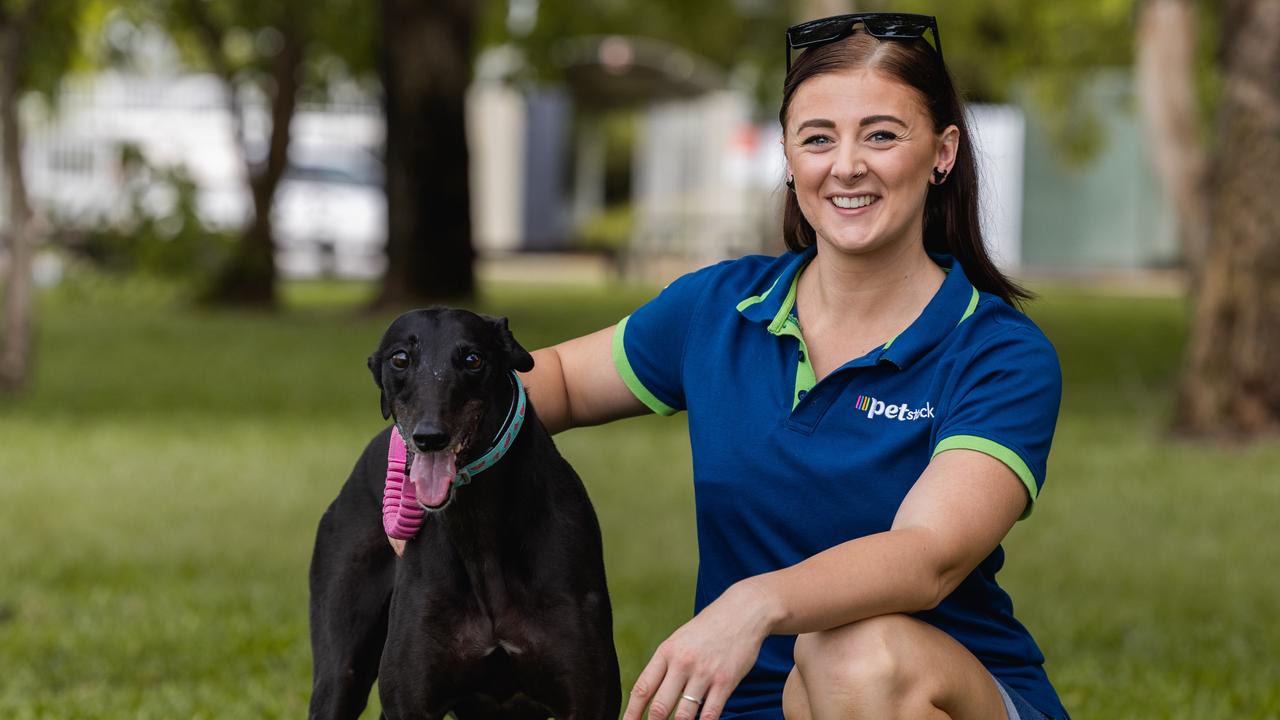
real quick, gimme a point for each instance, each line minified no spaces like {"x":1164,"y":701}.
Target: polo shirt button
{"x":800,"y":395}
{"x":801,"y":356}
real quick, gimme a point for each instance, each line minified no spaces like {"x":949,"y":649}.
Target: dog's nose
{"x":430,"y":437}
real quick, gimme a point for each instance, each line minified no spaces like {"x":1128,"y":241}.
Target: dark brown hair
{"x":951,"y":209}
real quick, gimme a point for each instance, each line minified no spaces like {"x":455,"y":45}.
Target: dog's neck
{"x":499,"y":415}
{"x":490,"y":517}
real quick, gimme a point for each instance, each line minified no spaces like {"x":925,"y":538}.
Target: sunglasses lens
{"x":818,"y":32}
{"x":895,"y":27}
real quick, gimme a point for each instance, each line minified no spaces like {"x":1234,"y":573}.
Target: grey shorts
{"x":1015,"y":706}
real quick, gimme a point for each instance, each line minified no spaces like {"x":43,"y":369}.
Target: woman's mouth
{"x":855,"y":202}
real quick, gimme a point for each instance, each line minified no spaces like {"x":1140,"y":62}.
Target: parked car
{"x":330,"y":214}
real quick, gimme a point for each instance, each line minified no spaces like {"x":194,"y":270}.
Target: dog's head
{"x":440,"y":370}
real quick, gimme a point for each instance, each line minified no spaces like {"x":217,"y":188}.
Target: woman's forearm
{"x":889,"y":572}
{"x":955,"y":515}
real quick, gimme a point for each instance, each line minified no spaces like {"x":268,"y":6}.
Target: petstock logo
{"x":900,"y":412}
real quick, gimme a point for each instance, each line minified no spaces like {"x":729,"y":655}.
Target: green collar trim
{"x":955,"y":302}
{"x":762,"y":296}
{"x":788,"y":302}
{"x":973,"y":305}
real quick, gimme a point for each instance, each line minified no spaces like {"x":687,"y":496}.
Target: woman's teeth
{"x":850,"y":203}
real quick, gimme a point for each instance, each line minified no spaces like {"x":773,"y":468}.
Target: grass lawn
{"x":161,"y":482}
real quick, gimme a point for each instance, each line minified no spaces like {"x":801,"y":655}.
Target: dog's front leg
{"x":352,"y":572}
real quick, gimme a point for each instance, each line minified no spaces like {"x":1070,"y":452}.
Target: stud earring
{"x":939,"y":176}
{"x":791,"y":183}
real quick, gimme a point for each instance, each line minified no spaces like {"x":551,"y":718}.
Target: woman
{"x":869,"y":416}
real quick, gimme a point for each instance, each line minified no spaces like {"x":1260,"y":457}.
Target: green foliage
{"x":51,"y":40}
{"x":163,"y":478}
{"x":719,"y":30}
{"x":338,"y":36}
{"x":609,"y":231}
{"x":160,"y":231}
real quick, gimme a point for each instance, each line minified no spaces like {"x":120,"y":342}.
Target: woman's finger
{"x":667,"y":697}
{"x":646,"y":685}
{"x":691,"y":699}
{"x":713,"y":704}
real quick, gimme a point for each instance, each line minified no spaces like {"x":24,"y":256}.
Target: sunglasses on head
{"x":894,"y":26}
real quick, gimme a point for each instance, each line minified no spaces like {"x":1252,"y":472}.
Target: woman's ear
{"x":948,"y":149}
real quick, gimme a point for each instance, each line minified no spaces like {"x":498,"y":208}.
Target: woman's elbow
{"x":943,"y":579}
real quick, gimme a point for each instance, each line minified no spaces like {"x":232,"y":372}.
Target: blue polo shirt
{"x":785,"y":467}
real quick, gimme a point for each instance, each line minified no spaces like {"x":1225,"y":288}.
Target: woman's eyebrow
{"x":817,"y":122}
{"x":873,"y":119}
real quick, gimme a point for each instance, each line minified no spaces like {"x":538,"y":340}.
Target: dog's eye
{"x":472,"y":361}
{"x":400,"y":360}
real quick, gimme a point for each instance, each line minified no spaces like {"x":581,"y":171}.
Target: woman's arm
{"x":575,"y":383}
{"x":954,"y":516}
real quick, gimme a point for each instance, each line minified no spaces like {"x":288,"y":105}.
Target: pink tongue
{"x":432,"y":476}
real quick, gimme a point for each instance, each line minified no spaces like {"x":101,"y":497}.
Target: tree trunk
{"x":426,"y":68}
{"x":249,"y":276}
{"x":1165,"y":68}
{"x":19,"y":301}
{"x":1230,"y":385}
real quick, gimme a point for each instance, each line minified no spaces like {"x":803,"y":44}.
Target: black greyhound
{"x":498,"y":608}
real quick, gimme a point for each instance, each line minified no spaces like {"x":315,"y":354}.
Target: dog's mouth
{"x":432,"y":475}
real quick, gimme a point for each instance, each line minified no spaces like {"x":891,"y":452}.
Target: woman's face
{"x":862,"y":149}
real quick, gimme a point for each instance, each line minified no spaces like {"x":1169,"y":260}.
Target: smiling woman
{"x":869,"y":415}
{"x":857,"y":178}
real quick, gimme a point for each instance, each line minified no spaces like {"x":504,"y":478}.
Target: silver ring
{"x":691,"y":699}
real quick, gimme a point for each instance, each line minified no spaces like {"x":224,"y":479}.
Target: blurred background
{"x":209,"y":210}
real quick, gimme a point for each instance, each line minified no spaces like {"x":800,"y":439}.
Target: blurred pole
{"x":15,"y":335}
{"x":589,"y":171}
{"x":1165,"y":50}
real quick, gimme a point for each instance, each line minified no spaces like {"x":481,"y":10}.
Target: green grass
{"x":161,"y":481}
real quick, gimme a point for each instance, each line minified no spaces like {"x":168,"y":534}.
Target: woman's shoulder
{"x":996,"y":322}
{"x":748,"y":276}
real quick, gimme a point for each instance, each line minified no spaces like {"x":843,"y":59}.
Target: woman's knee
{"x":795,"y":699}
{"x":869,"y":659}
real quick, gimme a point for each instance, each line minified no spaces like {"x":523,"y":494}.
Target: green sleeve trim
{"x":628,"y":375}
{"x":999,"y":452}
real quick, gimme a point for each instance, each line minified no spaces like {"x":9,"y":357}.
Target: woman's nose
{"x":848,"y":165}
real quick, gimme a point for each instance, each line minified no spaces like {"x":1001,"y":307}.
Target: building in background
{"x":701,"y":167}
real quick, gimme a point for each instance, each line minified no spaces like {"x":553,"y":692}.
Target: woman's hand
{"x":705,"y":659}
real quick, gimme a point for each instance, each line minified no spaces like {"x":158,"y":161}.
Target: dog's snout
{"x":430,"y":437}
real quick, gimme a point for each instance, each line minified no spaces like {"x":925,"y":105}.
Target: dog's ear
{"x":517,"y":357}
{"x":375,"y":367}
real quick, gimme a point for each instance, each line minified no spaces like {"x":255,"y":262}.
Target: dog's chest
{"x":481,"y":635}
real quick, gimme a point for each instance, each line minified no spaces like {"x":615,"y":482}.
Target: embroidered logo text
{"x":900,"y":412}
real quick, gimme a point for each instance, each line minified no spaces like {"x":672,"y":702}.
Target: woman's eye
{"x":472,"y":361}
{"x":882,"y":136}
{"x":816,"y":140}
{"x":400,"y":360}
